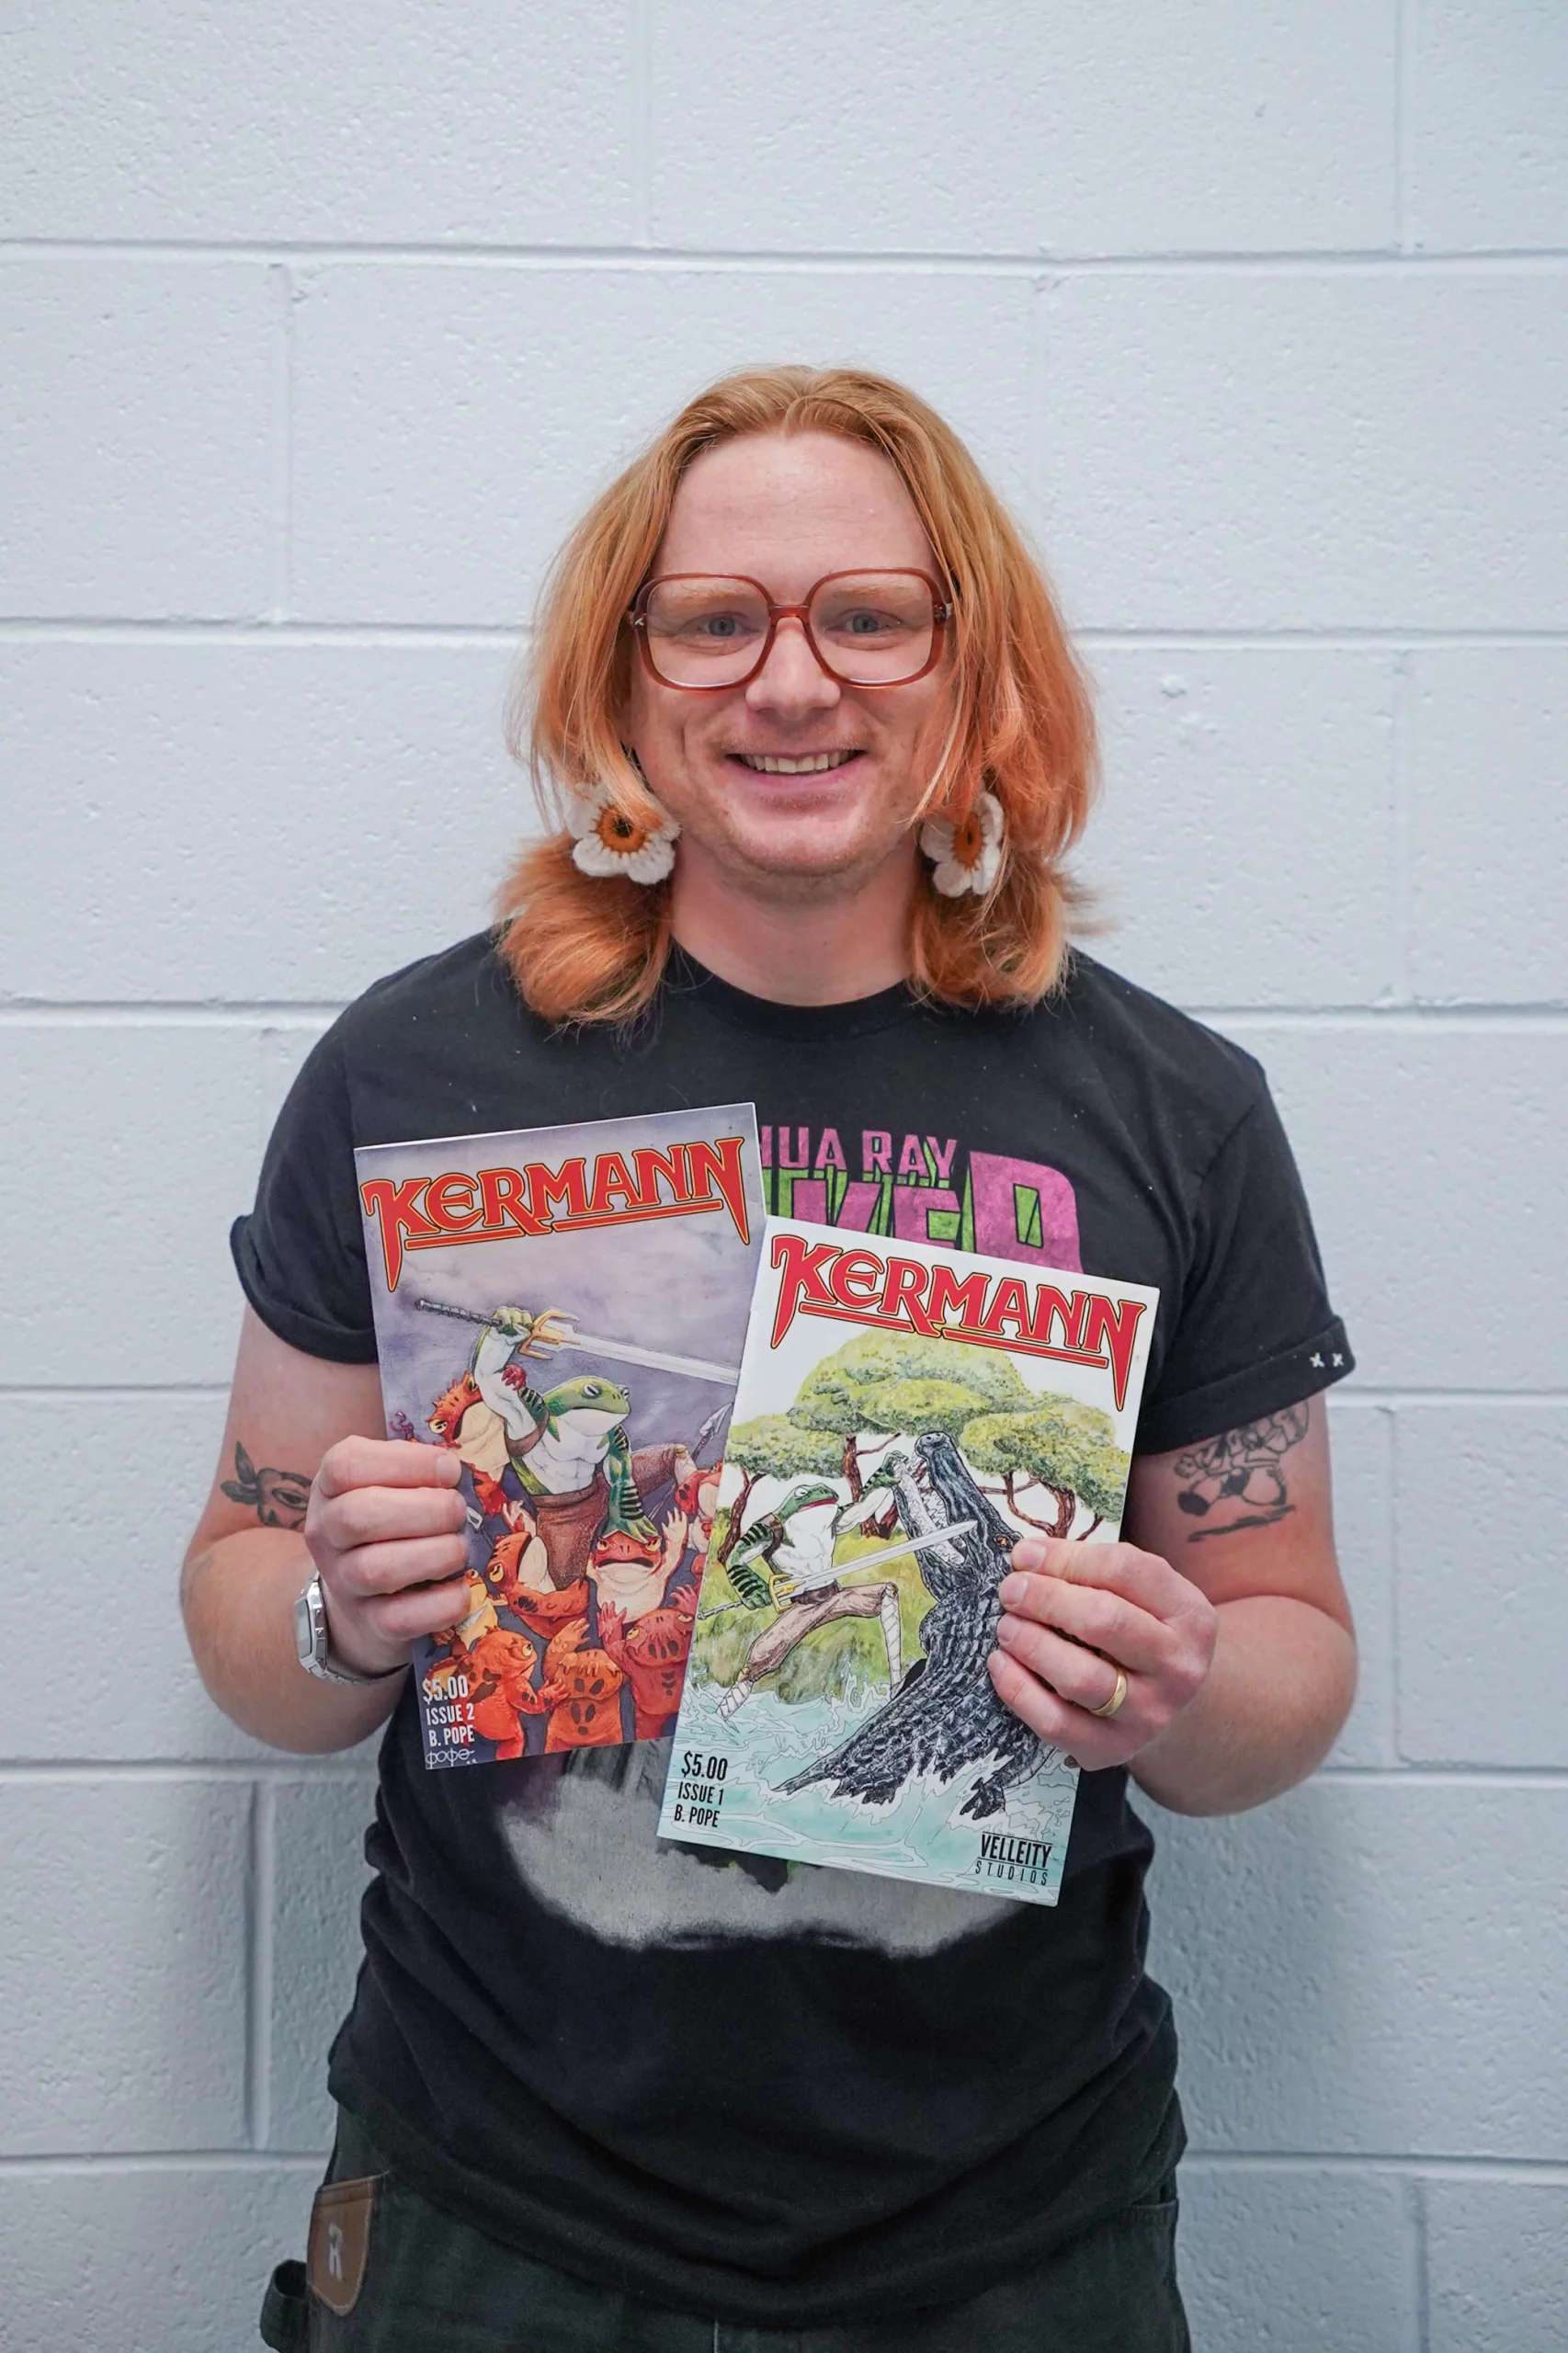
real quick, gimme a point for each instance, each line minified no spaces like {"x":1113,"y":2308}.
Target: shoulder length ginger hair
{"x":1018,"y":722}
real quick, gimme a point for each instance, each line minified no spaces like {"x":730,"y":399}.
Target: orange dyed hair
{"x":583,"y":947}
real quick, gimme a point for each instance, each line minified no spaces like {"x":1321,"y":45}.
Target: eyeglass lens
{"x":870,"y":628}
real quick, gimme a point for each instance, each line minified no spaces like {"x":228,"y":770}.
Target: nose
{"x":791,"y":681}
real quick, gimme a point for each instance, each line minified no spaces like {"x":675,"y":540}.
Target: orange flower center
{"x":969,"y":840}
{"x":617,"y":832}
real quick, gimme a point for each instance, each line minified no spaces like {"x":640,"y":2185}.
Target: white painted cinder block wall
{"x":317,"y":326}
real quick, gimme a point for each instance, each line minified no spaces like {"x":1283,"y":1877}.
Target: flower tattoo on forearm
{"x":1240,"y":1476}
{"x":279,"y":1498}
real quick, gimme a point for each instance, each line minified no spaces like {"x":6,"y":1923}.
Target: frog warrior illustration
{"x":494,"y":1668}
{"x":786,"y":1556}
{"x":568,"y":1450}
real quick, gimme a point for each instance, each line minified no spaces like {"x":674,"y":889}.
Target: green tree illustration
{"x":853,"y":1390}
{"x":1065,"y":1447}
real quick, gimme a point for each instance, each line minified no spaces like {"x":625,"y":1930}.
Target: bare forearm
{"x":1280,"y":1687}
{"x":238,"y":1598}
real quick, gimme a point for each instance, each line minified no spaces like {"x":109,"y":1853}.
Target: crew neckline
{"x":763,"y":1016}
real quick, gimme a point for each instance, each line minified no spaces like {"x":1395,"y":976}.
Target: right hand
{"x":386,"y":1528}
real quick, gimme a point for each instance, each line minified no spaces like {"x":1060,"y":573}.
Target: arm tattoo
{"x":1240,"y":1468}
{"x":279,"y":1498}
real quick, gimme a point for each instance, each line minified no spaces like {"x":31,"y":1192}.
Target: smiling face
{"x":795,"y":786}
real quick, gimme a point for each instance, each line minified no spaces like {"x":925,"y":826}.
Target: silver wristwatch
{"x":312,"y":1641}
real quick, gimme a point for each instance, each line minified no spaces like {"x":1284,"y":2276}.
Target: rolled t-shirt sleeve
{"x":300,"y":1254}
{"x":1254,"y":1330}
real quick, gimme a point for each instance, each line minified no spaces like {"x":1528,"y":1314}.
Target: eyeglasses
{"x":704,"y":630}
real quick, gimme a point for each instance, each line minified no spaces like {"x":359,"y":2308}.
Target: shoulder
{"x":460,"y":989}
{"x":443,"y":1046}
{"x":1157,"y":1064}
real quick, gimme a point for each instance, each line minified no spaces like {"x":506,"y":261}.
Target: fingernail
{"x":1008,"y":1630}
{"x":1013,"y":1589}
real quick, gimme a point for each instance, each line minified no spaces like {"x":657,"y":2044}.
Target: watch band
{"x":312,"y":1642}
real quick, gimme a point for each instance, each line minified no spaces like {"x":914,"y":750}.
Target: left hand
{"x":1132,"y":1606}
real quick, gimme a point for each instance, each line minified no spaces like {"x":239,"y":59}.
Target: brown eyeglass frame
{"x":941,"y":613}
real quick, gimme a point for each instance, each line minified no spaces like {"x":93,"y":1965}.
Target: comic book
{"x":564,"y":1308}
{"x":905,"y":1412}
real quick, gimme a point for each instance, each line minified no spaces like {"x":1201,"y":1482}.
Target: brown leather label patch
{"x":339,"y":2245}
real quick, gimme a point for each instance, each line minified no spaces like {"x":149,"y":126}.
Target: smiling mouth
{"x":809,"y":764}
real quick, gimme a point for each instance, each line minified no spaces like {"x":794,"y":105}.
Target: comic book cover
{"x":905,"y":1412}
{"x":564,"y":1308}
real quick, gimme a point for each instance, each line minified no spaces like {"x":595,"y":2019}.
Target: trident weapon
{"x":622,"y":1351}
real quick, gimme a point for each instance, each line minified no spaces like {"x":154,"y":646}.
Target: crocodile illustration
{"x":946,"y":1717}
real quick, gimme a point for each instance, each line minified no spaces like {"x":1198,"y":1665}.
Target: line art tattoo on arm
{"x":279,"y":1498}
{"x":1240,"y":1475}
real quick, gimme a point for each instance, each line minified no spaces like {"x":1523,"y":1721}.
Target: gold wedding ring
{"x":1116,"y":1697}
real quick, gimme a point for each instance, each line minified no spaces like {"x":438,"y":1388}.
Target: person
{"x":813,"y":748}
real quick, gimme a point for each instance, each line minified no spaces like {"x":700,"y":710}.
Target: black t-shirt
{"x":786,"y":2094}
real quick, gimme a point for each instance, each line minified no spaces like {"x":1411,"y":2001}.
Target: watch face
{"x":306,"y":1626}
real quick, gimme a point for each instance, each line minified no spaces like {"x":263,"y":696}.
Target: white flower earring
{"x":968,"y":855}
{"x":605,"y":841}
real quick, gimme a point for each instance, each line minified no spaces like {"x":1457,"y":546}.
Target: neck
{"x":825,"y":944}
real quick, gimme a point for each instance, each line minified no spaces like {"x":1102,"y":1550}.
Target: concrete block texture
{"x":1483,"y":1582}
{"x":1313,"y":2259}
{"x":319,"y":1875}
{"x":1496,"y":2265}
{"x":166,"y":2258}
{"x":1369,"y":1967}
{"x":1489,"y":123}
{"x":1016,"y":130}
{"x":1245,"y":844}
{"x":322,"y":814}
{"x":1291,"y":450}
{"x":1488,"y":790}
{"x":1430,"y":1161}
{"x":117,"y":1532}
{"x":1361,"y":1445}
{"x":122,"y":1966}
{"x":132,"y":1149}
{"x":495,"y":125}
{"x":318,"y":329}
{"x":452,"y":424}
{"x":138,"y":437}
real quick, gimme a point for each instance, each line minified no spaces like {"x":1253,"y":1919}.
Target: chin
{"x":808,"y":853}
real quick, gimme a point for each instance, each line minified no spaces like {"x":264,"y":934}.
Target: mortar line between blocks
{"x":259,"y":1990}
{"x":1313,"y":261}
{"x":155,"y":2161}
{"x":1550,"y":2173}
{"x":1421,"y":2284}
{"x":1537,"y":2172}
{"x":1392,"y":1021}
{"x":457,"y":635}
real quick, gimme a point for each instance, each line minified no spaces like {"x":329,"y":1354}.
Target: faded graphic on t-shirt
{"x":918,"y":1187}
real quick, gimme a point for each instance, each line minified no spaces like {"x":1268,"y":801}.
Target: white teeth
{"x":766,"y":765}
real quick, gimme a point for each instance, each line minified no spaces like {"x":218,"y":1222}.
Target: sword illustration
{"x":623,"y":1351}
{"x":871,"y":1559}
